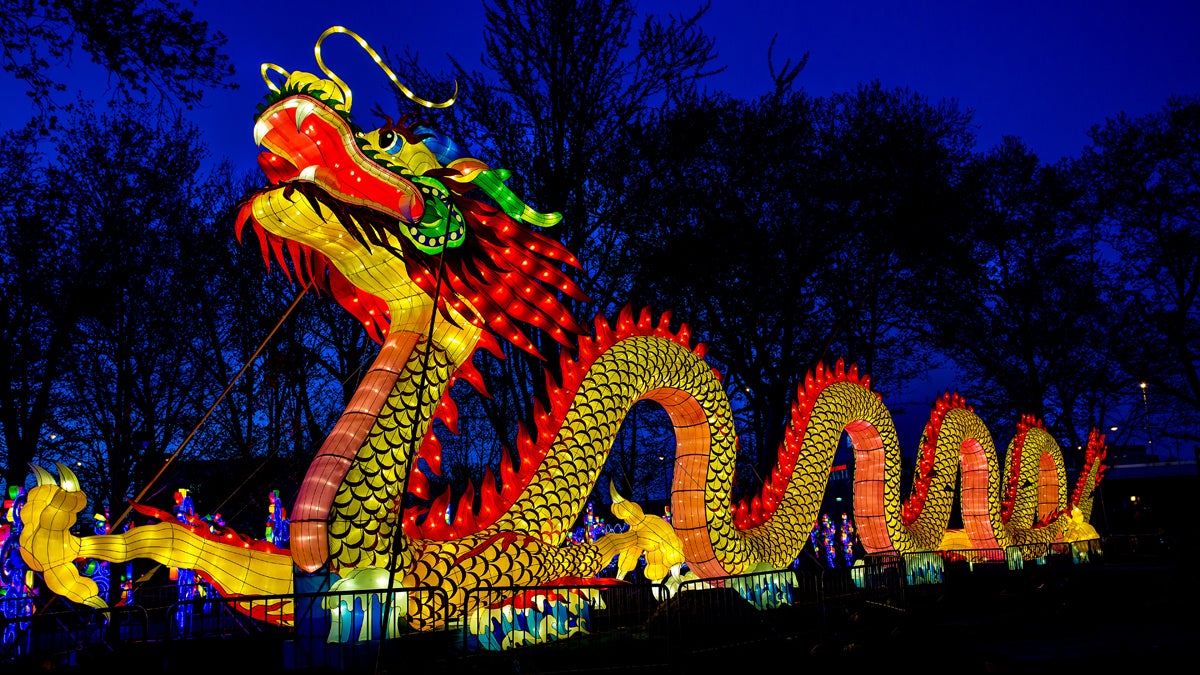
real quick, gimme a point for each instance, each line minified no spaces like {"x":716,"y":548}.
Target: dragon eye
{"x":389,"y":141}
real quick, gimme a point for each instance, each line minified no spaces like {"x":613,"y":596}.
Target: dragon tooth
{"x":261,"y":127}
{"x":303,"y":109}
{"x":309,"y":173}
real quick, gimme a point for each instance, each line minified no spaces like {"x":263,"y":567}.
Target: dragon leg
{"x":48,"y":546}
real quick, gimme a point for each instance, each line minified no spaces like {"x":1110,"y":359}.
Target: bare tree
{"x":1142,"y":176}
{"x":158,"y":46}
{"x":559,"y":82}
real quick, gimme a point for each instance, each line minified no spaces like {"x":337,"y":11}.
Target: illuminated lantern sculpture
{"x":438,"y":259}
{"x":847,"y":539}
{"x":826,"y":538}
{"x":277,"y":521}
{"x":98,"y":570}
{"x":16,"y":582}
{"x":188,"y":585}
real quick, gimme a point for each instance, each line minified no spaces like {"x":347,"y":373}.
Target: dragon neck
{"x":347,"y":510}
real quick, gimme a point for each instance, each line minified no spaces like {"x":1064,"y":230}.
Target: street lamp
{"x":666,"y":481}
{"x":1146,"y":416}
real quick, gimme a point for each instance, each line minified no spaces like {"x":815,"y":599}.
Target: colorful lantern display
{"x":98,"y":570}
{"x":188,"y":585}
{"x":438,"y":258}
{"x":16,"y":582}
{"x":846,"y":538}
{"x":277,"y":521}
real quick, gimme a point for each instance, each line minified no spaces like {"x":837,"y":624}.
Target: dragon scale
{"x":363,"y":521}
{"x":438,"y":258}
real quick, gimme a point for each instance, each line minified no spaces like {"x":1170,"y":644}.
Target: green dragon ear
{"x":491,"y":181}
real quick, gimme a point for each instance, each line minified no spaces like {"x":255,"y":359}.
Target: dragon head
{"x":395,"y":225}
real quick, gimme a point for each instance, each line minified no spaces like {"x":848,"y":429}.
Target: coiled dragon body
{"x":436,"y":256}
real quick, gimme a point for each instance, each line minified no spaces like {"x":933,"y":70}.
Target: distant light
{"x":1142,"y":385}
{"x":1112,"y":428}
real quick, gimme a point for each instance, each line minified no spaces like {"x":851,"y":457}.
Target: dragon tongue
{"x":406,"y":212}
{"x":411,"y":208}
{"x":275,"y":168}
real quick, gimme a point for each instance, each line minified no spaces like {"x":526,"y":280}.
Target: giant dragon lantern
{"x":438,"y":259}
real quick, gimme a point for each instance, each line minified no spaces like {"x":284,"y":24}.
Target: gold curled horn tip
{"x":96,"y":602}
{"x":408,"y":93}
{"x":612,"y":492}
{"x":420,"y":101}
{"x":42,"y":476}
{"x":66,"y":478}
{"x":267,"y":78}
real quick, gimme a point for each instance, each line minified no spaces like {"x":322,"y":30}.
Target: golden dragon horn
{"x":378,"y":61}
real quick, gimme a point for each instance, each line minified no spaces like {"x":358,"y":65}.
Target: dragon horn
{"x":43,"y":476}
{"x":66,"y":478}
{"x":612,"y":492}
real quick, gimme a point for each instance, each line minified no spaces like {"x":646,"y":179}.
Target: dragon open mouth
{"x":306,"y":141}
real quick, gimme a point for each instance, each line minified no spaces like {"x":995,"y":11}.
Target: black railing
{"x":631,"y":623}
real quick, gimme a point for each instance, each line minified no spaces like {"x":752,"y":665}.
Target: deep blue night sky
{"x":1043,"y":71}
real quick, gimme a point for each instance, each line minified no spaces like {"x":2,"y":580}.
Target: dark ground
{"x":1111,"y":617}
{"x":1099,"y":619}
{"x":1124,"y":614}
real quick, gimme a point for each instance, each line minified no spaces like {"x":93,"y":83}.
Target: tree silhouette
{"x":559,"y":83}
{"x":782,"y":231}
{"x":157,"y":46}
{"x":1143,"y":175}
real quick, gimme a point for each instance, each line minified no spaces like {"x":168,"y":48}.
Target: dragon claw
{"x":648,"y":536}
{"x":46,"y":542}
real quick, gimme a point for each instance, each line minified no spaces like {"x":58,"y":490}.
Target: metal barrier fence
{"x":354,"y":630}
{"x":1133,"y":548}
{"x":626,"y":620}
{"x":635,"y":623}
{"x":72,"y":635}
{"x":713,"y":615}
